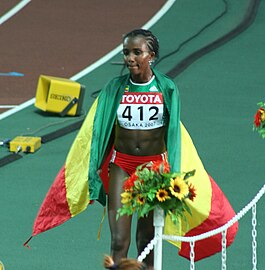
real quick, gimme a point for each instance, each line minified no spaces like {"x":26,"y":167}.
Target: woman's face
{"x":137,"y":58}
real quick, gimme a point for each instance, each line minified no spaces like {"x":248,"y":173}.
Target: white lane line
{"x":13,"y":11}
{"x":98,"y":63}
{"x":112,"y":53}
{"x":7,"y":107}
{"x":17,"y":109}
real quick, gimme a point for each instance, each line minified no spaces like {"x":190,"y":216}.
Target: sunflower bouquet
{"x":259,"y":120}
{"x":153,"y":185}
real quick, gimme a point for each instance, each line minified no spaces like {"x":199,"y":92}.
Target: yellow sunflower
{"x":140,"y":199}
{"x":262,"y":115}
{"x":178,"y":188}
{"x":162,"y":195}
{"x":126,"y":197}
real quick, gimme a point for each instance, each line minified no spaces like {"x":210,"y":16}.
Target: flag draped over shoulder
{"x":78,"y":183}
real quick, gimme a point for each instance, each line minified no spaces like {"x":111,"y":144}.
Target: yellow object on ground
{"x":25,"y":144}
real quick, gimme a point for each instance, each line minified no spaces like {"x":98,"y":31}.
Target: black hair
{"x":151,"y":40}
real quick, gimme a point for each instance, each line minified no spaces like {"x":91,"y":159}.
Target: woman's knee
{"x":120,"y":242}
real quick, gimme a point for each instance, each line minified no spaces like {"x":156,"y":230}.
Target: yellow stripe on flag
{"x":201,"y":205}
{"x":77,"y":166}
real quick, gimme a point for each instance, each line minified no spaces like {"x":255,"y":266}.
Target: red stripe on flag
{"x":54,"y":209}
{"x":221,"y":212}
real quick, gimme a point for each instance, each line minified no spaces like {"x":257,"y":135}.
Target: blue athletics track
{"x":214,"y":51}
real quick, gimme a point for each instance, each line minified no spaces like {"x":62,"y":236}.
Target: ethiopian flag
{"x":78,"y":183}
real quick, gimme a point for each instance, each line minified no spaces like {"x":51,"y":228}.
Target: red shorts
{"x":129,"y":162}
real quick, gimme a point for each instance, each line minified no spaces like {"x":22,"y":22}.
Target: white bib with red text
{"x":141,"y":110}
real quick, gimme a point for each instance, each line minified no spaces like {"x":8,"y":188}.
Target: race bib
{"x":141,"y":110}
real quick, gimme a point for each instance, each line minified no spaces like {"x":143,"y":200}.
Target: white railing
{"x":156,"y":243}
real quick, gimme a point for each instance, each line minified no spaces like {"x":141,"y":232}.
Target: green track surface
{"x":219,"y":93}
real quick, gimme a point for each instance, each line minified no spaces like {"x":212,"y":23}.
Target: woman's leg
{"x":120,"y":229}
{"x":144,"y":234}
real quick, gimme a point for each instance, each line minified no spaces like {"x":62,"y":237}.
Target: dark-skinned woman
{"x":139,"y":130}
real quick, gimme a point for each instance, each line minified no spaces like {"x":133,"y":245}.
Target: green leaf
{"x":186,"y":207}
{"x":151,"y":196}
{"x":145,"y":210}
{"x":189,"y":174}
